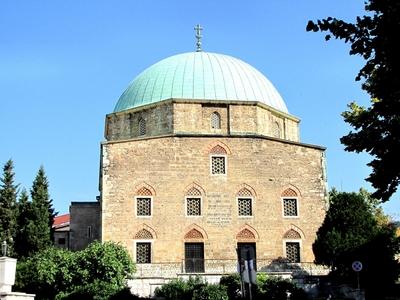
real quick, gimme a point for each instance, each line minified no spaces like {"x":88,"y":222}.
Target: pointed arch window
{"x":144,"y":202}
{"x":218,"y":160}
{"x":290,"y":205}
{"x":245,"y":203}
{"x":215,"y":120}
{"x":193,"y":202}
{"x":292,"y":246}
{"x":276,"y":130}
{"x":143,"y":246}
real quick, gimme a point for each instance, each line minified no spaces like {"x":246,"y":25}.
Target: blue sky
{"x":64,"y":64}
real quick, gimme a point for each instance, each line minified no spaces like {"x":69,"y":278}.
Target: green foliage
{"x":232,"y":284}
{"x":192,"y":289}
{"x":98,"y":272}
{"x":8,"y":200}
{"x":24,"y":223}
{"x":376,"y":128}
{"x":352,"y":231}
{"x":276,"y":288}
{"x":349,"y":223}
{"x":211,"y":292}
{"x":42,"y":214}
{"x":268,"y":288}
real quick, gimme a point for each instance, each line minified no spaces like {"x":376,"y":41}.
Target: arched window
{"x":292,"y":246}
{"x":193,"y":202}
{"x":143,"y":201}
{"x":215,"y":120}
{"x":142,"y":126}
{"x":143,"y":246}
{"x":290,"y":205}
{"x":276,"y":132}
{"x":245,"y":203}
{"x":218,"y":160}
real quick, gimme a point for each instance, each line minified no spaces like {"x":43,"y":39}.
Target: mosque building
{"x":202,"y":158}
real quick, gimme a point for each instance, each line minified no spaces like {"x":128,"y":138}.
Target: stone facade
{"x":264,"y":161}
{"x":177,"y":116}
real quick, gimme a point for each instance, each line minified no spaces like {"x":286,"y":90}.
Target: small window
{"x":193,"y":206}
{"x":215,"y":120}
{"x":61,"y":241}
{"x":290,"y":207}
{"x":276,"y":130}
{"x":143,"y":206}
{"x":143,"y":253}
{"x":293,"y":252}
{"x":218,"y":165}
{"x":89,"y":232}
{"x":142,"y":127}
{"x":245,"y":207}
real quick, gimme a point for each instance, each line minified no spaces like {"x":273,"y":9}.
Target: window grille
{"x":215,"y":120}
{"x":293,"y":252}
{"x":218,"y":165}
{"x":143,"y":253}
{"x":143,"y":206}
{"x":193,"y":206}
{"x":244,"y":205}
{"x":194,"y":257}
{"x":290,"y":207}
{"x":142,"y":127}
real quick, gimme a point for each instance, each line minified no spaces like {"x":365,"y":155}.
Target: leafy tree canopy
{"x":354,"y":229}
{"x":98,"y":272}
{"x":377,"y":127}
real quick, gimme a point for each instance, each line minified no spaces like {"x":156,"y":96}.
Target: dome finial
{"x":198,"y":29}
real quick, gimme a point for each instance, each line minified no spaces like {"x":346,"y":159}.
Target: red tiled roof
{"x":61,"y":220}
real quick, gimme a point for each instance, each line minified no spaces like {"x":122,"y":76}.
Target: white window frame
{"x":201,"y":206}
{"x":151,"y":250}
{"x":151,"y":206}
{"x":299,"y":241}
{"x":297,"y":206}
{"x":252,"y":206}
{"x":226,"y":164}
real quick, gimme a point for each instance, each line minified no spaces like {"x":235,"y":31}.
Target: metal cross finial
{"x":198,"y":29}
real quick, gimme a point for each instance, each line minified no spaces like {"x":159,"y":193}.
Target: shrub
{"x":98,"y":272}
{"x":193,"y":289}
{"x":276,"y":288}
{"x":211,"y":292}
{"x":232,"y":284}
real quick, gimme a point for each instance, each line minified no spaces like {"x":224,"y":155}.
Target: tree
{"x":376,"y":128}
{"x":43,"y":214}
{"x":8,"y":199}
{"x":98,"y":272}
{"x":352,"y":231}
{"x":23,"y":243}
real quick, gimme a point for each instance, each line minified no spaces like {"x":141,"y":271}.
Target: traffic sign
{"x":356,"y":266}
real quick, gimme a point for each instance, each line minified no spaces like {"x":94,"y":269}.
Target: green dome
{"x":200,"y":76}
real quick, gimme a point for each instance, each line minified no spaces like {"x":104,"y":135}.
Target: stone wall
{"x":169,"y":166}
{"x":193,"y":117}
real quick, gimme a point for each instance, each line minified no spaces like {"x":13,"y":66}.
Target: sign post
{"x":357,"y":267}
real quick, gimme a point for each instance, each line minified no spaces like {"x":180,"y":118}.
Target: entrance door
{"x":246,"y":251}
{"x":194,"y":257}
